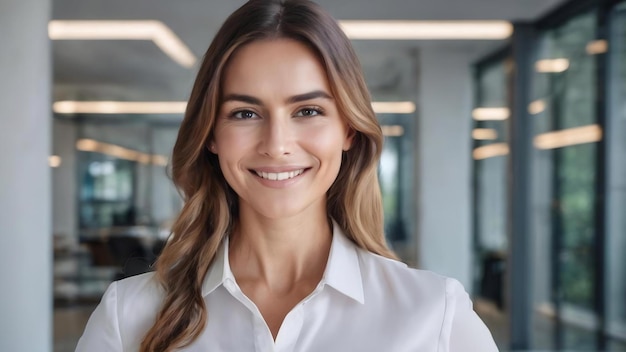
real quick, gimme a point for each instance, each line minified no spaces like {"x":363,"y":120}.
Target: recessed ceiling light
{"x":536,"y":107}
{"x":427,"y":30}
{"x":156,"y":31}
{"x":54,"y":161}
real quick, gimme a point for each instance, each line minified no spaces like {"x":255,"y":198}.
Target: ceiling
{"x":140,"y":71}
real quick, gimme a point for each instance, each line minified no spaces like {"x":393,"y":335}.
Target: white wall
{"x":444,"y":147}
{"x":25,"y":217}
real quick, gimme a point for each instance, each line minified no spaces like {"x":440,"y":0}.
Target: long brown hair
{"x":211,"y":206}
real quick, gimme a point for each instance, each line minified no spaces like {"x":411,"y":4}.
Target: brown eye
{"x":309,"y":112}
{"x":243,"y":115}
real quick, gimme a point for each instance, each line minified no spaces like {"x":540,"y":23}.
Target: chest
{"x":274,"y":308}
{"x":323,"y":323}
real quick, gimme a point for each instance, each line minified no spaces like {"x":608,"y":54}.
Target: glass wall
{"x":397,"y":183}
{"x":563,"y":109}
{"x":124,"y":202}
{"x":615,"y":294}
{"x":490,"y":135}
{"x":577,"y":116}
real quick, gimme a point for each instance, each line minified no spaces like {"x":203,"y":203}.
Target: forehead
{"x":274,"y":66}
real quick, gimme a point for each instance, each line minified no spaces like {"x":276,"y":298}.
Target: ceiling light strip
{"x":119,"y":107}
{"x":490,"y":151}
{"x":491,"y":114}
{"x":552,"y":65}
{"x":569,"y":137}
{"x":392,"y":130}
{"x":427,"y":30}
{"x":178,"y":107}
{"x":484,"y":134}
{"x":90,"y":145}
{"x":156,"y":31}
{"x":597,"y":47}
{"x":393,"y":107}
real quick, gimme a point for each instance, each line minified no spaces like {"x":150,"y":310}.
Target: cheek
{"x":231,"y":141}
{"x":329,"y":142}
{"x":230,"y":148}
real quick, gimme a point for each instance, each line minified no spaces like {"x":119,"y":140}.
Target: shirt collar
{"x":343,"y":272}
{"x":219,"y":271}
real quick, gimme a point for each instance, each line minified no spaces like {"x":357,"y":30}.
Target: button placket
{"x":262,"y":336}
{"x":264,"y":341}
{"x":290,"y":330}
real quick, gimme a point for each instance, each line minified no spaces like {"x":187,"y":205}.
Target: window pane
{"x":490,"y":192}
{"x":564,"y":181}
{"x":616,"y":226}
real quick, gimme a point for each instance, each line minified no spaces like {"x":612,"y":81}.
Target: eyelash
{"x":318,"y":111}
{"x":233,"y":115}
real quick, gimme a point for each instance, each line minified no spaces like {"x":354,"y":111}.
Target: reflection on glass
{"x":106,"y":197}
{"x":564,"y":179}
{"x":616,"y":221}
{"x":396,"y":178}
{"x":491,"y":149}
{"x":125,"y":202}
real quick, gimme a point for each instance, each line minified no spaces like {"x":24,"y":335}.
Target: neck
{"x":280,"y":253}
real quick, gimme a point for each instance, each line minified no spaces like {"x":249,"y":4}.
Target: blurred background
{"x":504,"y":164}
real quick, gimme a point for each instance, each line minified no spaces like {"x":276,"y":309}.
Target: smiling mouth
{"x":279,"y":176}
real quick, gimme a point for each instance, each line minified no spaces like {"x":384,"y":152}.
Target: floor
{"x":69,"y":323}
{"x":575,"y":339}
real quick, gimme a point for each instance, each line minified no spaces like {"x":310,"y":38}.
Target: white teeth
{"x":280,"y":175}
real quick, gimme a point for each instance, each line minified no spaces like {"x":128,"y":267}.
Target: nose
{"x":276,"y":138}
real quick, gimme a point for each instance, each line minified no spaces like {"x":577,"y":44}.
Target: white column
{"x":25,"y":224}
{"x":444,"y":184}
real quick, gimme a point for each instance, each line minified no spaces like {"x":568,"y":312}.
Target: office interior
{"x":503,"y":165}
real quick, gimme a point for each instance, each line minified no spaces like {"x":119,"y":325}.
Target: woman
{"x":280,"y":244}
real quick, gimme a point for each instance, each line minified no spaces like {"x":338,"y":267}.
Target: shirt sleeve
{"x":465,"y":329}
{"x":102,"y":332}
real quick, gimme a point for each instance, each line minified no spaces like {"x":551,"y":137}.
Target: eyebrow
{"x":293,"y":99}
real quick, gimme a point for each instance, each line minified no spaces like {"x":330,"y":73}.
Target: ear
{"x":211,"y":147}
{"x":347,"y":143}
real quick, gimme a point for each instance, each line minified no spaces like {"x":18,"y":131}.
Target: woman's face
{"x":279,"y":136}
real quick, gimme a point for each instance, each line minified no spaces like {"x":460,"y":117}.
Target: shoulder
{"x":127,"y":310}
{"x":399,"y":277}
{"x":421,"y":292}
{"x":420,"y":295}
{"x":141,"y":286}
{"x":138,"y":299}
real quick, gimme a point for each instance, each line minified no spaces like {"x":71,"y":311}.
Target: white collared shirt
{"x":364,"y":302}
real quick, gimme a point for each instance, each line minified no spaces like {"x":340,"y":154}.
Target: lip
{"x":279,"y":169}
